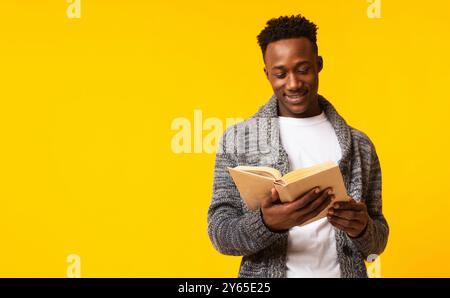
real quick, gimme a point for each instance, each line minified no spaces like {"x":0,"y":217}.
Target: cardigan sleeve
{"x":374,"y":238}
{"x":231,"y":229}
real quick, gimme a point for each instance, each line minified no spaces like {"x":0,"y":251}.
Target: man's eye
{"x":303,"y":71}
{"x":280,"y":76}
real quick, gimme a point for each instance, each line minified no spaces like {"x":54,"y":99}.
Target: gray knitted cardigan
{"x":236,"y":230}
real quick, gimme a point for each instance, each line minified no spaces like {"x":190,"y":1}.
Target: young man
{"x":309,"y":131}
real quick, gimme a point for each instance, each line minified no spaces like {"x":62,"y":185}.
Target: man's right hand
{"x":279,"y":216}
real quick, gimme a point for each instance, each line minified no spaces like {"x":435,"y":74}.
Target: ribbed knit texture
{"x":236,"y":230}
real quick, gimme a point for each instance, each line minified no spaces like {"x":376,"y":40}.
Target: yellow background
{"x":87,"y":105}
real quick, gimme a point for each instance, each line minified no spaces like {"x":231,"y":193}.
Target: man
{"x":310,"y":131}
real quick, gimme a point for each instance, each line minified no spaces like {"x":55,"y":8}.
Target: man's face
{"x":292,"y":67}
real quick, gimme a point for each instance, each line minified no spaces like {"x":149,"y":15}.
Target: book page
{"x":253,"y":188}
{"x":262,"y":171}
{"x":305,"y":172}
{"x":327,"y":178}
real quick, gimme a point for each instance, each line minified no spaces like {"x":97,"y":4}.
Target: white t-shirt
{"x":311,"y":248}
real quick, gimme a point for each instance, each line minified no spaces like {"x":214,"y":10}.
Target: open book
{"x":254,"y":183}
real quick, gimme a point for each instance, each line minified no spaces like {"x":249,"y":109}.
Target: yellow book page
{"x":262,"y":171}
{"x":301,"y":173}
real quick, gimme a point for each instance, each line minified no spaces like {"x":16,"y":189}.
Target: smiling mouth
{"x":297,"y":97}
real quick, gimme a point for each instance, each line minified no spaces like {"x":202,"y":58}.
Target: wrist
{"x":269,"y":227}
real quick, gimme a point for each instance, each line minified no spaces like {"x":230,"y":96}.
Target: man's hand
{"x":351,"y":217}
{"x":279,"y":216}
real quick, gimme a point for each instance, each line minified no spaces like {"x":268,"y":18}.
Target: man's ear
{"x":319,"y":63}
{"x":267,"y":74}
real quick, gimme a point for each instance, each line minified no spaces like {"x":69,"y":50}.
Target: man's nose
{"x":293,"y":83}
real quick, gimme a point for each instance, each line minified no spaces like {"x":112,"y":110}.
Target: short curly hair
{"x":286,"y":27}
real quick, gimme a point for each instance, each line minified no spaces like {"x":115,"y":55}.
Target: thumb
{"x":269,"y":200}
{"x":274,"y":195}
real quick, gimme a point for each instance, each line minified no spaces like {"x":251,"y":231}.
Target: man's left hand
{"x":350,"y":217}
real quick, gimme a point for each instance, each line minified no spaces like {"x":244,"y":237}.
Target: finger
{"x":347,"y":214}
{"x":274,"y":195}
{"x":305,"y":199}
{"x":308,"y":213}
{"x":271,"y":199}
{"x":325,"y":196}
{"x":351,"y":205}
{"x":349,"y":224}
{"x":341,"y":227}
